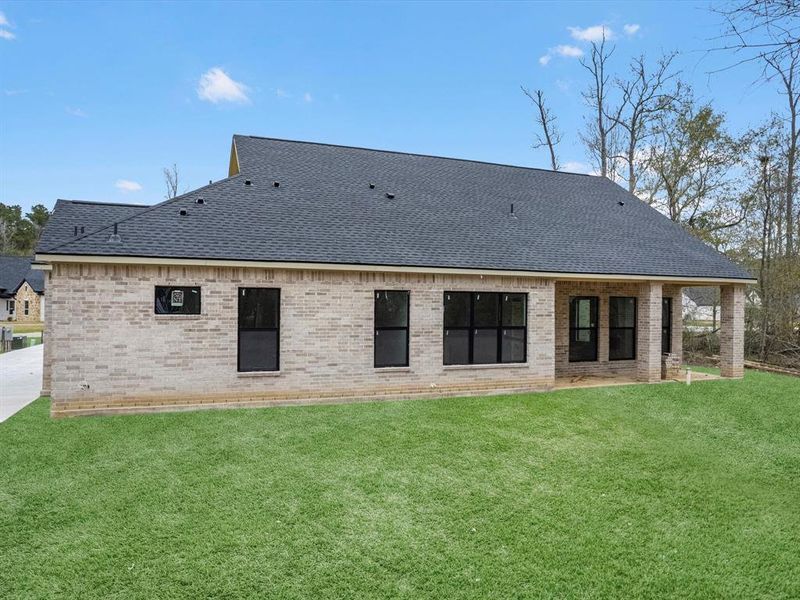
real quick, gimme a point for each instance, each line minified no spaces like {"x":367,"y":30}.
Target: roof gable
{"x":15,"y":270}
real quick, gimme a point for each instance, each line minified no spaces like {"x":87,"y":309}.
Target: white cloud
{"x":575,"y":166}
{"x":307,"y":97}
{"x":631,"y":29}
{"x":282,"y":93}
{"x":5,"y":33}
{"x":568,"y":51}
{"x":75,"y":112}
{"x":215,"y":86}
{"x":593,"y":33}
{"x":14,"y":92}
{"x":125,"y":185}
{"x":564,"y":50}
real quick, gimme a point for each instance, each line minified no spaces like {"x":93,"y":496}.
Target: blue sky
{"x":96,"y":95}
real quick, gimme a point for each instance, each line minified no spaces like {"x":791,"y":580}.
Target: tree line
{"x":647,"y":129}
{"x":19,"y":232}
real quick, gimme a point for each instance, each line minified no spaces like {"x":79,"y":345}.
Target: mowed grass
{"x":18,"y":328}
{"x":639,"y":491}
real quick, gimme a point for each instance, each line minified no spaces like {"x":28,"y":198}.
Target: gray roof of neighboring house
{"x":14,"y":270}
{"x":445,"y":213}
{"x":703,"y":296}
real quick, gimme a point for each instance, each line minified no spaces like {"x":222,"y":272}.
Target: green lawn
{"x":638,"y":491}
{"x":18,"y":328}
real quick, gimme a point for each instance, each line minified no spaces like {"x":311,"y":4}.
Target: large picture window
{"x":259,"y":329}
{"x":177,"y":300}
{"x":621,"y":328}
{"x":666,"y":325}
{"x":485,"y":328}
{"x":583,"y":328}
{"x":391,"y":328}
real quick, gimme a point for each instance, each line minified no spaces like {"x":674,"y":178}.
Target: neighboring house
{"x":21,"y":290}
{"x":316,"y":273}
{"x":701,"y":305}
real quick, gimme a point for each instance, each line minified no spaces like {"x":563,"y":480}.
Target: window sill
{"x":246,"y":374}
{"x":392,"y":369}
{"x":486,"y":366}
{"x":177,"y":317}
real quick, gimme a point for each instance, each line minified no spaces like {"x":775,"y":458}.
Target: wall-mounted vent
{"x":390,"y":196}
{"x":183,"y":212}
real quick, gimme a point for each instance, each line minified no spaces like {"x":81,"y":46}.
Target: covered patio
{"x":615,"y":332}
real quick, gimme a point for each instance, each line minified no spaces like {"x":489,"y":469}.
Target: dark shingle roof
{"x":445,"y":213}
{"x":68,"y":214}
{"x":16,"y":269}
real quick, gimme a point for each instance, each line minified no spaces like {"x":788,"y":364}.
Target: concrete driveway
{"x":20,"y":379}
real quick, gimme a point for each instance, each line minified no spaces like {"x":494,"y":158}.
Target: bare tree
{"x":599,"y":136}
{"x":171,"y":179}
{"x":768,"y":31}
{"x":644,"y":97}
{"x":788,"y":72}
{"x":549,"y":136}
{"x":757,"y":29}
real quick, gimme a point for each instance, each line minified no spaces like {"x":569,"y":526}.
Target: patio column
{"x":648,"y":342}
{"x":731,"y":331}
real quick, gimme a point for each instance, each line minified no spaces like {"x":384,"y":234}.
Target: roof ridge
{"x":468,"y":160}
{"x":140,"y":213}
{"x":104,"y":203}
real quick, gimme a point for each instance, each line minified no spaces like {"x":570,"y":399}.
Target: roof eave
{"x":319,"y":266}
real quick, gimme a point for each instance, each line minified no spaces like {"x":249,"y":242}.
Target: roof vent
{"x":372,"y":186}
{"x":276,"y":184}
{"x":248,"y":182}
{"x":513,"y":215}
{"x":390,"y":196}
{"x":199,"y":201}
{"x":115,"y":238}
{"x":621,"y":203}
{"x":183,"y":212}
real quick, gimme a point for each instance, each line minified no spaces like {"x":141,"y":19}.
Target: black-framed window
{"x":485,"y":327}
{"x":11,"y":305}
{"x":583,"y":328}
{"x":666,"y":325}
{"x":177,"y":300}
{"x":391,"y":328}
{"x":26,"y":307}
{"x":259,"y":329}
{"x":621,"y":328}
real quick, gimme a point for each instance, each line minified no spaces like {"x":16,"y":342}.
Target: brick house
{"x":318,"y":273}
{"x":21,"y":290}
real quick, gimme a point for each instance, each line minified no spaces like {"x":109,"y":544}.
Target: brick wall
{"x":106,"y":351}
{"x":604,"y":366}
